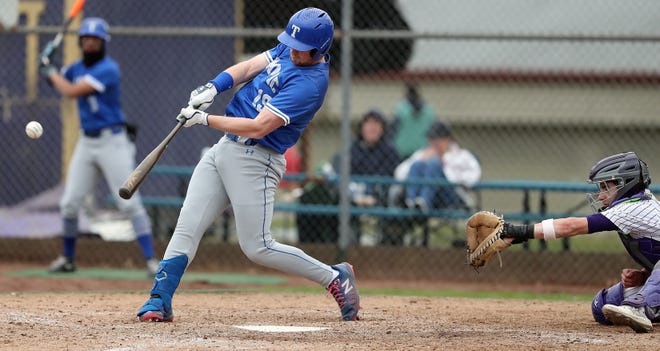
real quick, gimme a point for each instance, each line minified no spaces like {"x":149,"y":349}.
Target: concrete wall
{"x":510,"y":102}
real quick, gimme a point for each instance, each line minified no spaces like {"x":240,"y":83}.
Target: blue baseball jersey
{"x":102,"y":108}
{"x":291,"y":92}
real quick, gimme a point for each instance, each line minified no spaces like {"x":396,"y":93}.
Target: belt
{"x":95,"y":133}
{"x":242,"y":140}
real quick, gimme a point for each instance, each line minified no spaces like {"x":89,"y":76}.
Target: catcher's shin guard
{"x":611,"y":296}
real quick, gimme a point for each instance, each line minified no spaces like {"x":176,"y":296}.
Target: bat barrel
{"x":125,"y":193}
{"x":138,"y":175}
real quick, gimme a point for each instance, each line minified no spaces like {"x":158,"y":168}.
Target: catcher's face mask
{"x":607,"y":191}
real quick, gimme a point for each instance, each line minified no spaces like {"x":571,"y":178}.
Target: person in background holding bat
{"x":624,"y":204}
{"x":285,"y":87}
{"x":103,"y":144}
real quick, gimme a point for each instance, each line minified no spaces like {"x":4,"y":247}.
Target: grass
{"x":412,"y":293}
{"x":419,"y":293}
{"x":272,"y":284}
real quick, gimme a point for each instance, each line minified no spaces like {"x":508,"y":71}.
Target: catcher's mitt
{"x":483,"y":232}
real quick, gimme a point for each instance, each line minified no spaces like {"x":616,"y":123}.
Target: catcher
{"x":624,"y":204}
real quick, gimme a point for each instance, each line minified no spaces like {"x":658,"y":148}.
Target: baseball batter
{"x":103,"y":145}
{"x":624,"y":204}
{"x":285,"y":87}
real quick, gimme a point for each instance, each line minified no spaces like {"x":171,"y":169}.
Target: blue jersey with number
{"x":291,"y":92}
{"x":103,"y":107}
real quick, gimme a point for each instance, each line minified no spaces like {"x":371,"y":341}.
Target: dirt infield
{"x":89,"y":315}
{"x":104,"y":321}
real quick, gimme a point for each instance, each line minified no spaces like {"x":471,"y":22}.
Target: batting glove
{"x":46,"y":56}
{"x":202,"y":97}
{"x":46,"y":67}
{"x":47,"y":70}
{"x":192,"y":116}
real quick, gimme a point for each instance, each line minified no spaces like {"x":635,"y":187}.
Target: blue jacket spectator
{"x":371,"y":154}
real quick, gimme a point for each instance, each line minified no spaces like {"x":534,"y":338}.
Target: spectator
{"x":442,"y":159}
{"x":372,"y":154}
{"x":412,"y":118}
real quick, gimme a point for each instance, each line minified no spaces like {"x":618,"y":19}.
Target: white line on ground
{"x":278,"y":328}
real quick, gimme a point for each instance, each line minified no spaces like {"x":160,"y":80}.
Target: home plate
{"x":278,"y":328}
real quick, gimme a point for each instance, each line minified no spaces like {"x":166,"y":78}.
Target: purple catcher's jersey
{"x":638,"y":221}
{"x":102,"y":108}
{"x":291,"y":92}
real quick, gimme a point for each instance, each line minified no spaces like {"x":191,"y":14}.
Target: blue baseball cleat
{"x":344,"y":290}
{"x":159,"y":306}
{"x":154,"y":310}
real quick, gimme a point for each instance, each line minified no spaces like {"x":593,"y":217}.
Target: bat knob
{"x":125,"y":193}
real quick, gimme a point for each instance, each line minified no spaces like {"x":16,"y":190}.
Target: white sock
{"x":627,"y":292}
{"x":335,"y":274}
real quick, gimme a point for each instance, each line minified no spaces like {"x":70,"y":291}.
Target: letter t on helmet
{"x":309,"y":29}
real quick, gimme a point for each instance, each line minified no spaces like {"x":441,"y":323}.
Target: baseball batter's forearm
{"x":256,"y":128}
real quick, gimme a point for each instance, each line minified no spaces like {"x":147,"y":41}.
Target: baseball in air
{"x":34,"y":129}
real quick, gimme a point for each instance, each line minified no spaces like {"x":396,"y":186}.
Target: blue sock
{"x":69,"y":237}
{"x":146,"y":245}
{"x":69,"y":247}
{"x":167,"y":278}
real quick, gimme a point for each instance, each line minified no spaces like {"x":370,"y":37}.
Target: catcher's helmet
{"x":309,"y":29}
{"x":94,"y":27}
{"x":630,"y":174}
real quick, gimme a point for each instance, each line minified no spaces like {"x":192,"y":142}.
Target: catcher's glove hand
{"x":484,"y":238}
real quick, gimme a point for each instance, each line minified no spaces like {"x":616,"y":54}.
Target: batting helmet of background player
{"x":630,"y":174}
{"x":309,"y":29}
{"x":94,"y":27}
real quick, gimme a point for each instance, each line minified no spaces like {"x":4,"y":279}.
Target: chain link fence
{"x":535,"y":90}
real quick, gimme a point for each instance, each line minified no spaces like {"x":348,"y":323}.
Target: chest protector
{"x":644,"y":251}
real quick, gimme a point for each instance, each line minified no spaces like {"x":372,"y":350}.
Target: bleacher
{"x":526,"y":213}
{"x":526,"y":187}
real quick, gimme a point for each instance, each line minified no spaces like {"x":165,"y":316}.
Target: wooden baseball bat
{"x":142,"y":170}
{"x":75,"y":10}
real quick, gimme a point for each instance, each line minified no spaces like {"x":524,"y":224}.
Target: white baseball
{"x":34,"y":129}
